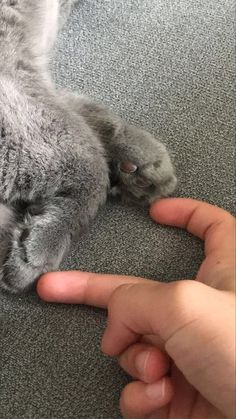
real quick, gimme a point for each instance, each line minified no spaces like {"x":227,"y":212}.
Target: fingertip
{"x":157,"y":366}
{"x":139,"y":399}
{"x":177,"y":211}
{"x":162,"y":391}
{"x":107,"y":347}
{"x":144,"y":362}
{"x":62,"y":287}
{"x":45,"y":287}
{"x":154,"y":210}
{"x":162,"y":208}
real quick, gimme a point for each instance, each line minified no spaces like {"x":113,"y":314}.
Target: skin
{"x":177,"y":339}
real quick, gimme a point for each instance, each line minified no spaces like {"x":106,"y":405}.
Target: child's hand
{"x":178,"y":339}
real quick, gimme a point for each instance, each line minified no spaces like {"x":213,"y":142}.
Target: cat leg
{"x":42,"y":20}
{"x":28,"y":30}
{"x":139,"y":163}
{"x":41,"y":242}
{"x":47,"y":226}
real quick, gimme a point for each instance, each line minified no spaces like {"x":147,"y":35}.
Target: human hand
{"x":177,"y":340}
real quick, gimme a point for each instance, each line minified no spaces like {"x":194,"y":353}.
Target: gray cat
{"x":60,"y":154}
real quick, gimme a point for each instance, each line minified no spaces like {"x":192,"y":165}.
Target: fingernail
{"x":141,"y":361}
{"x":156,"y":391}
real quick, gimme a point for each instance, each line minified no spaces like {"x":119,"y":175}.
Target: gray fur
{"x":6,"y":229}
{"x":57,"y":150}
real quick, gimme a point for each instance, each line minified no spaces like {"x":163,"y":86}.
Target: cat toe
{"x":17,"y":277}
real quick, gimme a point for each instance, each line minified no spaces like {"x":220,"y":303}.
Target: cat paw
{"x":35,"y":250}
{"x":18,"y":275}
{"x":142,"y":170}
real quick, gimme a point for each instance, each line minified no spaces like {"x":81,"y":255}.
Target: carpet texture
{"x":168,"y":67}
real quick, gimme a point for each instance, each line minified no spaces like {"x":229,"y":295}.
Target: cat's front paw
{"x":18,"y":274}
{"x":35,"y":249}
{"x":142,"y":170}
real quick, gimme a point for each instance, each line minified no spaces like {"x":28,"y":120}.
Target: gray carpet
{"x":168,"y":67}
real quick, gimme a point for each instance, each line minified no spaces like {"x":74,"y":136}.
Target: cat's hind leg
{"x":41,"y":22}
{"x":38,"y":21}
{"x":42,"y":19}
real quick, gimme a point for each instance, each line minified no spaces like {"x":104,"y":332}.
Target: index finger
{"x":77,"y":287}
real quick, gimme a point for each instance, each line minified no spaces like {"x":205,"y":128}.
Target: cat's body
{"x":57,"y":150}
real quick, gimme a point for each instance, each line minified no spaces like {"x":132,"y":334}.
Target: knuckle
{"x":185,"y":293}
{"x":117,"y":297}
